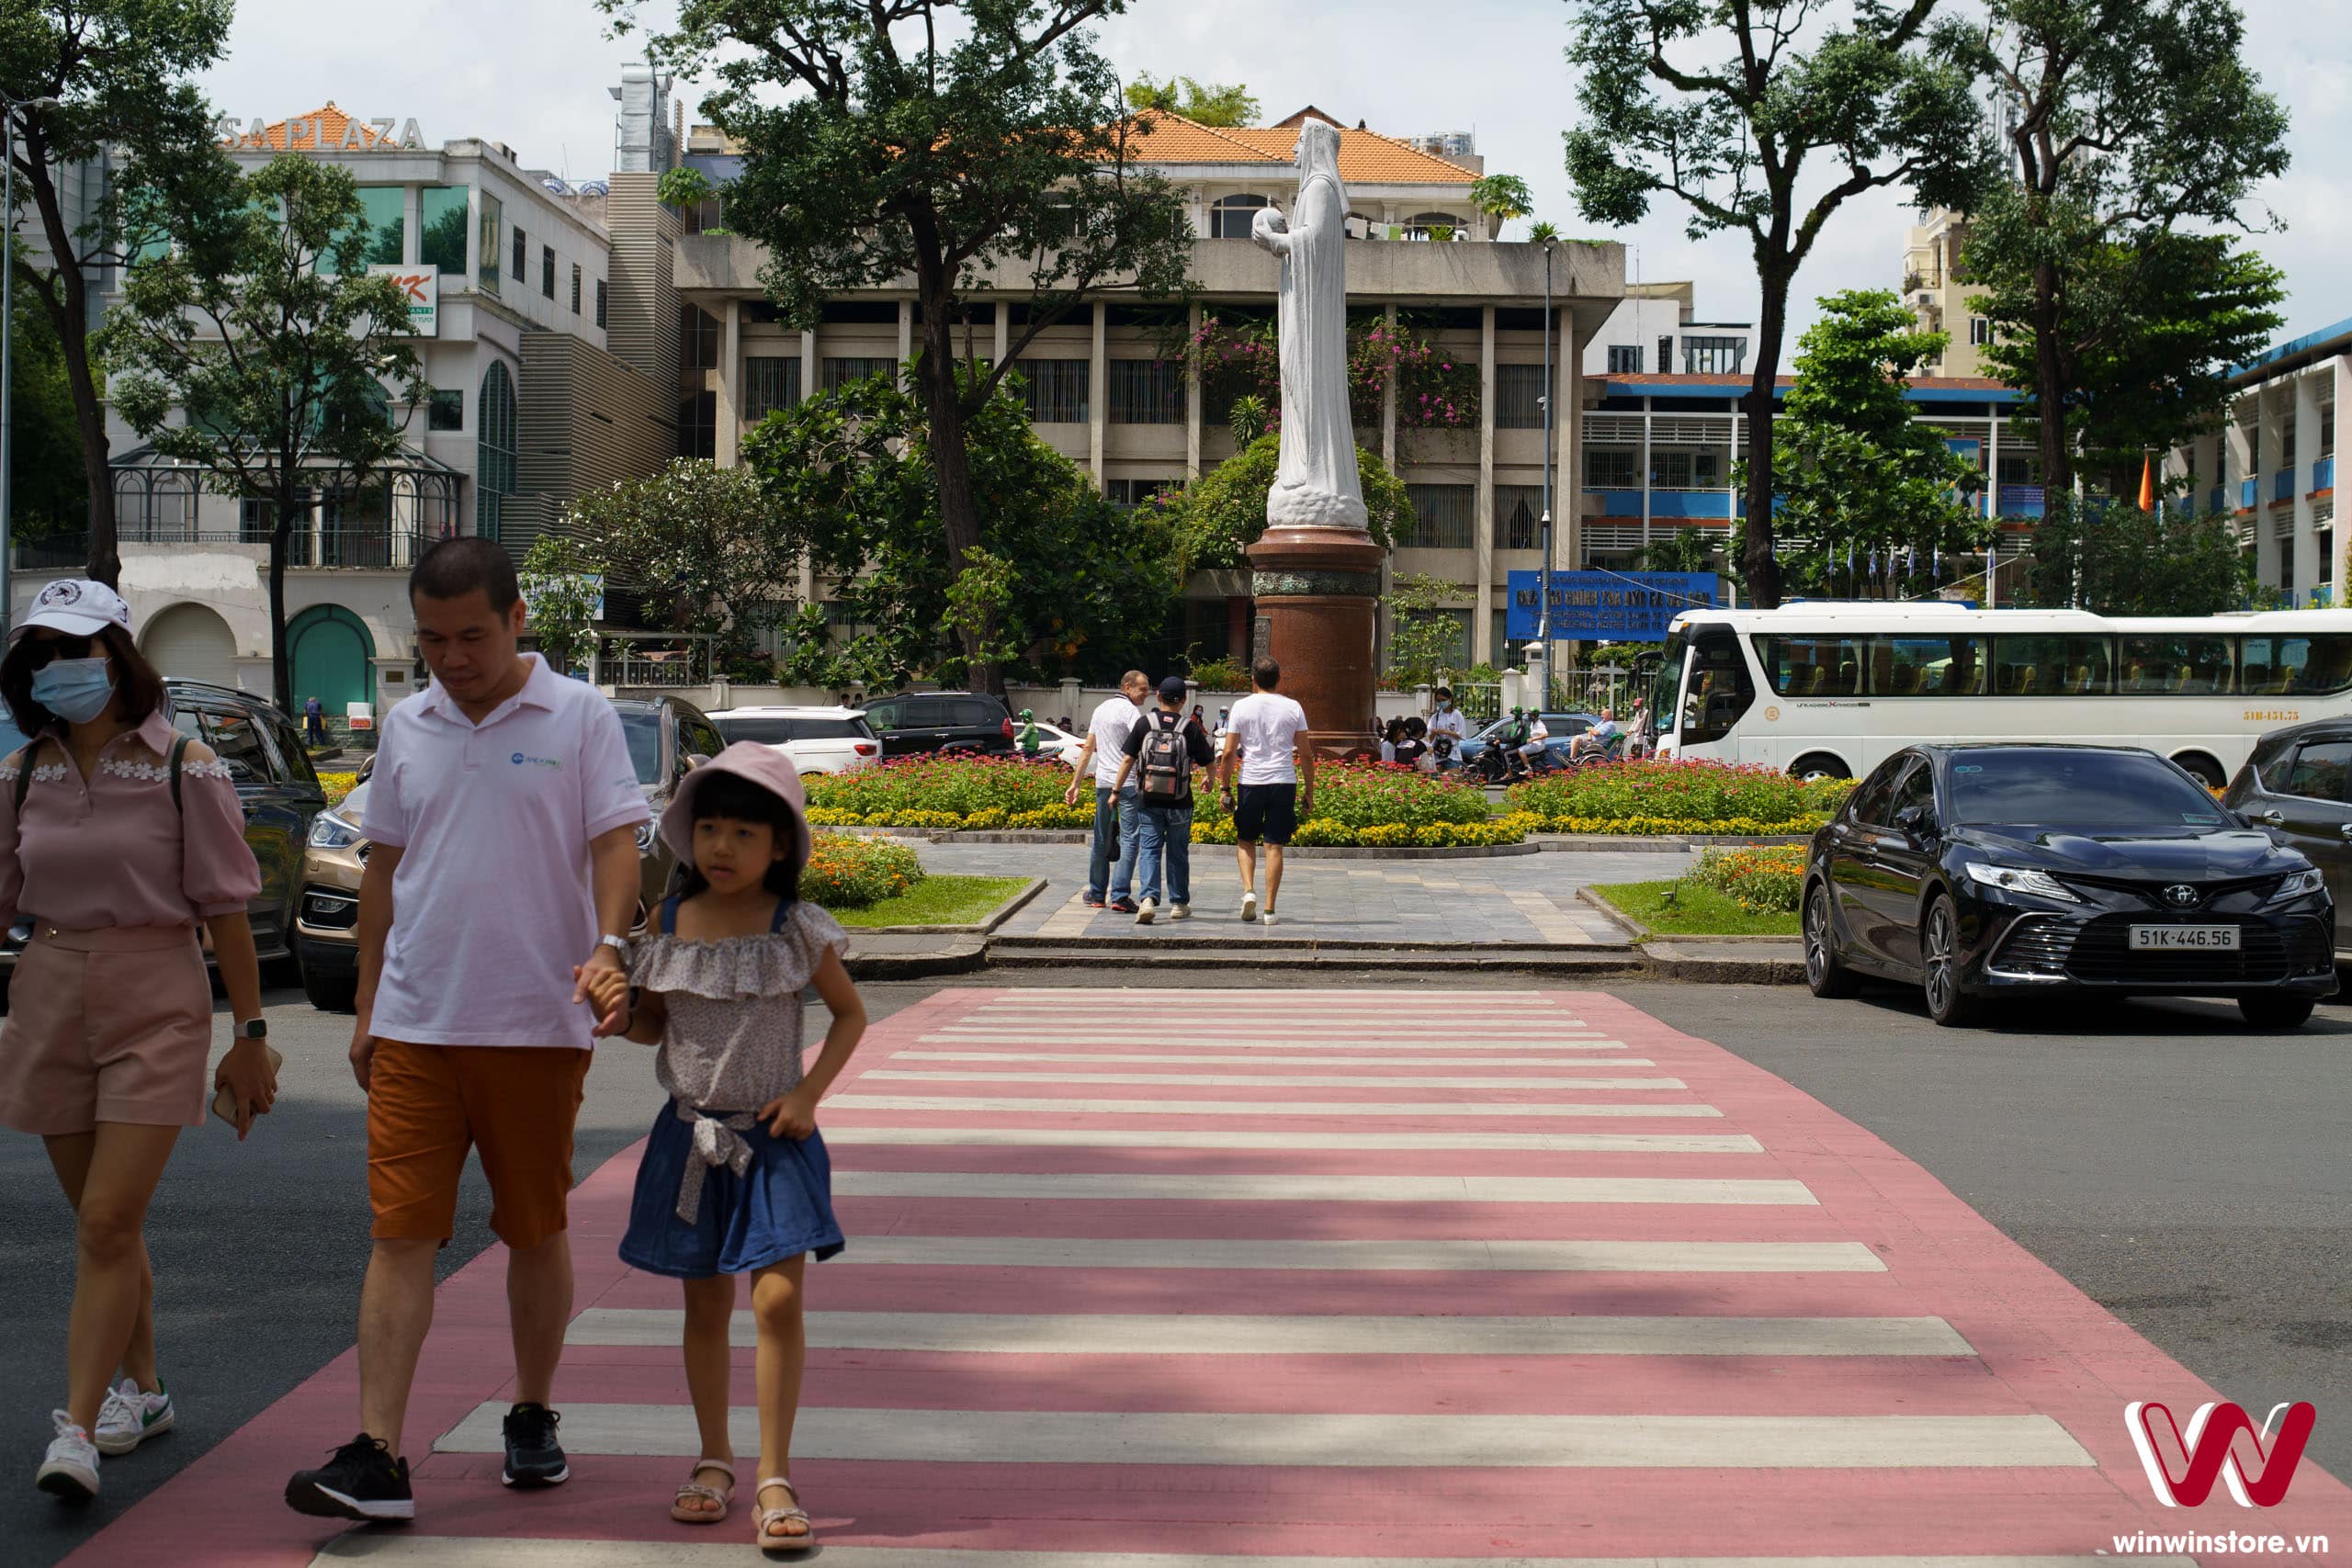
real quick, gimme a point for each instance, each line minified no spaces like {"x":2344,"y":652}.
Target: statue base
{"x":1317,"y":593}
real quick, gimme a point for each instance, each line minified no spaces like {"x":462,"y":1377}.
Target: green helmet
{"x":1517,"y":712}
{"x":1024,"y":715}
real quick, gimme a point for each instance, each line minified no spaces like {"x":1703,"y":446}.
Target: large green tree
{"x":2109,"y":556}
{"x":964,"y":145}
{"x":2125,"y":122}
{"x":47,"y":494}
{"x":275,"y":364}
{"x":1061,"y":582}
{"x":1218,"y":103}
{"x":1860,"y":478}
{"x":1763,"y":118}
{"x":707,"y":548}
{"x":118,"y":70}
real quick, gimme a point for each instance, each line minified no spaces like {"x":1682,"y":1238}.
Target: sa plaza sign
{"x":308,"y":133}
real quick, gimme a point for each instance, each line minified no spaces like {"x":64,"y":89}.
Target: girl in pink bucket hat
{"x":735,"y":1177}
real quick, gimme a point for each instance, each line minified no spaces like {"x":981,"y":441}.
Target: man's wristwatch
{"x":253,"y":1029}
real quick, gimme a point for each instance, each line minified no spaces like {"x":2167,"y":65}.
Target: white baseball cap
{"x":78,"y":607}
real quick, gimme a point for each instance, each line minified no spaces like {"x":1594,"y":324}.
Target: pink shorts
{"x":111,"y":1025}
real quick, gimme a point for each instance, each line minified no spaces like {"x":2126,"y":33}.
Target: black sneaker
{"x":363,"y":1481}
{"x":533,"y":1456}
{"x":1121,"y":905}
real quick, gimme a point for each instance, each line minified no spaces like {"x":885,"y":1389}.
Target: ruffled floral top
{"x":733,"y":1038}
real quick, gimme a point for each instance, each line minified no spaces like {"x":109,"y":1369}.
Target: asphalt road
{"x":2185,"y":1172}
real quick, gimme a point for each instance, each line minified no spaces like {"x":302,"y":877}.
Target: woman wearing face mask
{"x":103,"y":1052}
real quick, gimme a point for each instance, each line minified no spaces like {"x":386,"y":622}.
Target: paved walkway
{"x":1517,"y":899}
{"x":1250,"y":1279}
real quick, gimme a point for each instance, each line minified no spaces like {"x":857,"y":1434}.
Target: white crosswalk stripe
{"x":1270,"y":1080}
{"x":1426,"y":1110}
{"x":1475,"y":1256}
{"x":1165,"y":1137}
{"x":1318,"y":1189}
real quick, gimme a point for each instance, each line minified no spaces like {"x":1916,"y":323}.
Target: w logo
{"x":2207,"y":1447}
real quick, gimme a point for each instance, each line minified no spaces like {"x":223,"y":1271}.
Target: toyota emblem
{"x":2181,"y":895}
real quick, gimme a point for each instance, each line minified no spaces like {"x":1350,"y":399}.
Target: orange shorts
{"x":427,"y":1104}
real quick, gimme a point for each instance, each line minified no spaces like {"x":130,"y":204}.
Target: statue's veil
{"x":1319,"y":151}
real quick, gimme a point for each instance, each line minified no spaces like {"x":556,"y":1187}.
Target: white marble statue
{"x":1316,"y":485}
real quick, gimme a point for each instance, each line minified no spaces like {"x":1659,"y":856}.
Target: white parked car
{"x":819,"y":740}
{"x":1053,"y":740}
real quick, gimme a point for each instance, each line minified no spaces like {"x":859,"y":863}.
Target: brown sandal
{"x":694,"y":1488}
{"x":767,"y":1537}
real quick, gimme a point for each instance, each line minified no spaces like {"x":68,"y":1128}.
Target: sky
{"x":533,"y":75}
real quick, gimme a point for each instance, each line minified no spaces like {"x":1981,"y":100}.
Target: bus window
{"x":1812,"y":666}
{"x":2178,"y":665}
{"x":2298,"y":666}
{"x":1928,"y":666}
{"x":2052,"y":666}
{"x":1720,"y":691}
{"x":1669,"y":685}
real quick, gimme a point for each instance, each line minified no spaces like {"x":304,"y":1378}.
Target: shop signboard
{"x":1635,"y":606}
{"x":421,"y":285}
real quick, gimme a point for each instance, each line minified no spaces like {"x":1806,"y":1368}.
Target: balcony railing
{"x":2282,"y":485}
{"x":2323,"y":474}
{"x":2214,"y":497}
{"x":358,"y":547}
{"x":2249,"y":491}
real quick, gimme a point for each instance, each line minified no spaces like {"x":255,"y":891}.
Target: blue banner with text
{"x":1634,"y":605}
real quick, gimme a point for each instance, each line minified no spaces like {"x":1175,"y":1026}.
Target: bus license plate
{"x":2172,"y":938}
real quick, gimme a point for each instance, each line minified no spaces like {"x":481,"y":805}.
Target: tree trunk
{"x":1763,"y":571}
{"x":2049,"y":389}
{"x":68,"y":311}
{"x":281,"y":671}
{"x":959,"y":514}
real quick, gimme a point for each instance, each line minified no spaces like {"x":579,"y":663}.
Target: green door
{"x":332,"y":658}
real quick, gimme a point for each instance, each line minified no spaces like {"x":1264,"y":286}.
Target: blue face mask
{"x":75,"y":690}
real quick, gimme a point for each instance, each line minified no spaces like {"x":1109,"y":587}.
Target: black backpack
{"x":1167,"y":763}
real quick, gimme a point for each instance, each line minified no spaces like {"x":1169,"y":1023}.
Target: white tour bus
{"x":1828,"y":690}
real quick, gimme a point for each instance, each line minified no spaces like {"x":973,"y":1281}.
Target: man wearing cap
{"x":504,"y":813}
{"x":1163,"y":771}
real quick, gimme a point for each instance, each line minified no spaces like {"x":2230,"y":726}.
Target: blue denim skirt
{"x":780,"y":1207}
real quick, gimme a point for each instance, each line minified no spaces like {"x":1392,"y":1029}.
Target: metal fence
{"x":679,"y":661}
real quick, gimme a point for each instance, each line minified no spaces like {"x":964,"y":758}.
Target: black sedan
{"x":1972,"y":871}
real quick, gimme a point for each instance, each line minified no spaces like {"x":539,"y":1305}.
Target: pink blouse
{"x":92,"y":853}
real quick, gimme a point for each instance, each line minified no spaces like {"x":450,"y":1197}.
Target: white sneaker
{"x":129,"y":1417}
{"x":1249,"y":906}
{"x":1267,"y":918}
{"x":1146,"y":910}
{"x":71,"y":1469}
{"x":1179,"y":911}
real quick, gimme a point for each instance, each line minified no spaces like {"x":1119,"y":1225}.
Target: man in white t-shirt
{"x":1539,"y":736}
{"x":1111,"y":862}
{"x":503,"y":809}
{"x":1265,"y":743}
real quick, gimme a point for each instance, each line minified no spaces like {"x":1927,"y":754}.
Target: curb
{"x":964,"y":957}
{"x":1670,"y":963}
{"x":1032,"y":941}
{"x":1324,"y":956}
{"x":1572,"y":843}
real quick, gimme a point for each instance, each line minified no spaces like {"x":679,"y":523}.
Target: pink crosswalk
{"x":1101,"y":1306}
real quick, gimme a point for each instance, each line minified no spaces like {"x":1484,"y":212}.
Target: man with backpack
{"x":1162,"y":750}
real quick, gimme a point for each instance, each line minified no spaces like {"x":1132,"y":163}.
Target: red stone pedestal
{"x":1316,"y":589}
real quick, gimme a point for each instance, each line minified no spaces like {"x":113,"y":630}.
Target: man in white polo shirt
{"x":503,"y":813}
{"x":1110,"y":862}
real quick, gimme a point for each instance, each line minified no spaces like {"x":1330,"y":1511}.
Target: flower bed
{"x":956,"y":786}
{"x":1762,"y":879}
{"x":337,"y":786}
{"x":1660,"y":797}
{"x":849,"y":873}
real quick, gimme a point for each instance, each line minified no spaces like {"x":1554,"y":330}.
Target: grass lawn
{"x":938,"y":901}
{"x":1696,"y":910}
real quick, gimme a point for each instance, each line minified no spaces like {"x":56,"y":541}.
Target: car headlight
{"x":646,"y":832}
{"x":2018,"y":879}
{"x":329,"y":832}
{"x":2296,"y":884}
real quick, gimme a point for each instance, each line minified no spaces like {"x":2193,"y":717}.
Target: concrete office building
{"x":1104,"y":391}
{"x":1935,"y":289}
{"x":2273,"y":464}
{"x":530,"y":397}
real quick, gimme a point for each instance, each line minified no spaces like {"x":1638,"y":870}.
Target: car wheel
{"x":1814,"y":766}
{"x":1939,"y":967}
{"x":330,"y":993}
{"x":2277,"y":1010}
{"x":2205,"y":768}
{"x":1823,"y":973}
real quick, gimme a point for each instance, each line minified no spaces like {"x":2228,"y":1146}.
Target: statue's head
{"x":1318,"y":151}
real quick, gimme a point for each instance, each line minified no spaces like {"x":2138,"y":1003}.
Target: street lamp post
{"x":1544,"y":577}
{"x":8,"y":108}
